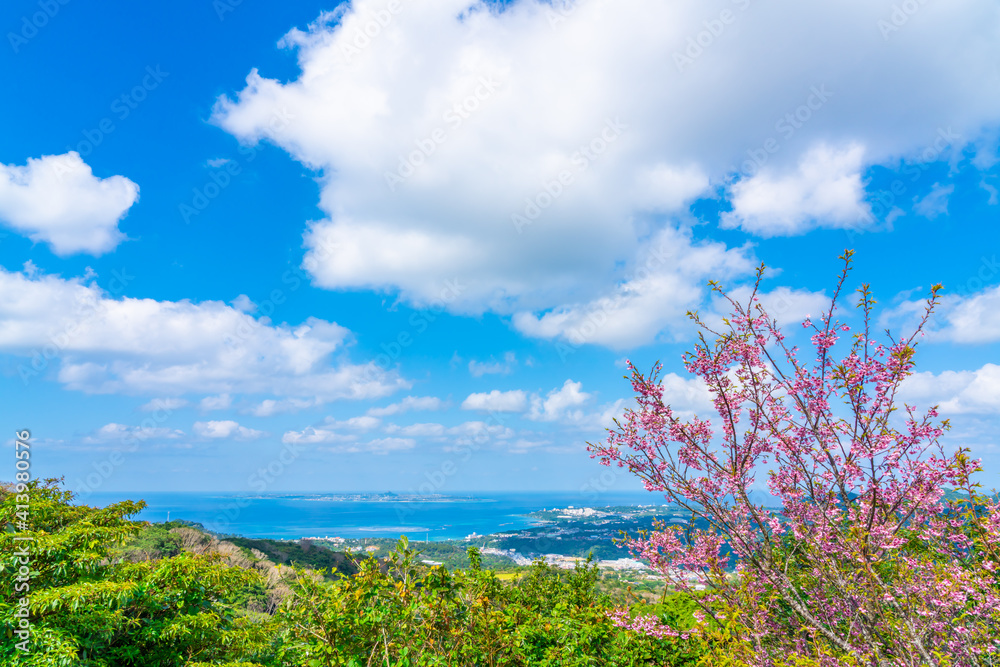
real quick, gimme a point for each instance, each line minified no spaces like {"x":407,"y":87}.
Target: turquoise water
{"x":292,"y":516}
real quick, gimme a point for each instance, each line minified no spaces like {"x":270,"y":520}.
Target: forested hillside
{"x":99,"y":589}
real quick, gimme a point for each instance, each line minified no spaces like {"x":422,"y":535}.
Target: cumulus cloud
{"x":317,"y":436}
{"x":826,"y":190}
{"x":164,"y":404}
{"x":523,"y":445}
{"x":935,"y":203}
{"x":345,"y":443}
{"x":968,"y":319}
{"x":661,"y":287}
{"x":566,"y":406}
{"x":362,"y":423}
{"x":408,"y":403}
{"x":465,"y":432}
{"x":144,"y":346}
{"x":225,"y":430}
{"x":427,"y":430}
{"x":334,"y":430}
{"x":785,"y":305}
{"x":385,"y":445}
{"x":220,"y":402}
{"x":497,"y":401}
{"x":687,"y":396}
{"x":558,"y":402}
{"x":434,"y":137}
{"x":479,"y":432}
{"x":122,"y":433}
{"x":955,"y":392}
{"x":56,"y":199}
{"x":270,"y":407}
{"x":493,"y":367}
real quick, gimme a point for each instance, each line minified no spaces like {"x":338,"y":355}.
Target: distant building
{"x":622,"y":564}
{"x":572,"y":512}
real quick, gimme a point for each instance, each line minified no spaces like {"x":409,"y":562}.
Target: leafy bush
{"x":88,"y":606}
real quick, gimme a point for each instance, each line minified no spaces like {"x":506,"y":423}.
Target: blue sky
{"x":408,"y":245}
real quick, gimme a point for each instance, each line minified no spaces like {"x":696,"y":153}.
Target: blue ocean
{"x":293,"y":516}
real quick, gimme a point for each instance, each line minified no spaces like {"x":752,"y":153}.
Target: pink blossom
{"x":865,"y":556}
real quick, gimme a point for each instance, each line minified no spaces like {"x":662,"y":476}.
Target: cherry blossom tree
{"x":880,"y":549}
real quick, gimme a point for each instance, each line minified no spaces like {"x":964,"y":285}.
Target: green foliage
{"x":89,"y":607}
{"x":110,"y":592}
{"x":401,"y":614}
{"x":152,"y":542}
{"x":303,"y":554}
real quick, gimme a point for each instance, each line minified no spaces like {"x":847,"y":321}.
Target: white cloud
{"x":662,"y":286}
{"x":936,"y":201}
{"x":785,"y":305}
{"x":408,"y":403}
{"x":137,"y":346}
{"x":955,"y":392}
{"x":317,"y":436}
{"x":362,"y":423}
{"x":558,"y":402}
{"x":497,"y":401}
{"x":972,"y":319}
{"x":465,"y":432}
{"x":428,"y":430}
{"x":678,"y":135}
{"x":113,"y":432}
{"x":687,"y":396}
{"x":56,"y":199}
{"x":225,"y":430}
{"x":346,"y":443}
{"x":220,"y":402}
{"x":493,"y":367}
{"x":386,"y":445}
{"x":270,"y":407}
{"x":826,"y":190}
{"x":991,"y":191}
{"x":565,"y":405}
{"x":243,"y":304}
{"x":164,"y":404}
{"x":522,"y":445}
{"x":479,"y":432}
{"x":332,"y":431}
